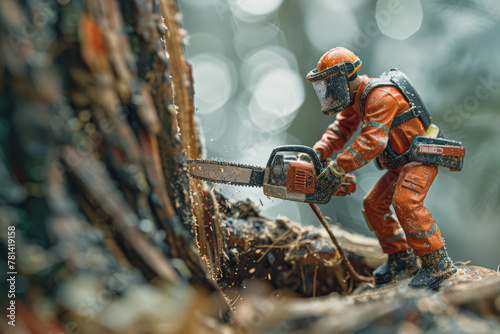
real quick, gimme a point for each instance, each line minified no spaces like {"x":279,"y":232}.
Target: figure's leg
{"x":377,"y":205}
{"x":422,"y":233}
{"x":377,"y":210}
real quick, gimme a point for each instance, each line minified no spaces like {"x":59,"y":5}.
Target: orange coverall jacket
{"x":405,"y":188}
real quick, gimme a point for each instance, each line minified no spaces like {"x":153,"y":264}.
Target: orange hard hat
{"x":331,"y":79}
{"x":336,"y":56}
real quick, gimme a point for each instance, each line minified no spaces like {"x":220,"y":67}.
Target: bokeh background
{"x":250,"y":58}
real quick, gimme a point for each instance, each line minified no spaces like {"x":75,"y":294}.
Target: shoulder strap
{"x":384,"y":80}
{"x":398,"y":79}
{"x":411,"y":95}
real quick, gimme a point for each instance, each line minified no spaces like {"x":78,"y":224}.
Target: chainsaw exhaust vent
{"x":301,"y":178}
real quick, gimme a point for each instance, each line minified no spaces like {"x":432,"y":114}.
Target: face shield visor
{"x":332,"y":87}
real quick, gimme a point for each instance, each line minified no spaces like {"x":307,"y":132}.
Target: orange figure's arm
{"x":380,"y":109}
{"x":338,"y":133}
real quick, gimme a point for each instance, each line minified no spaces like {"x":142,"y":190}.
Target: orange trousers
{"x":405,"y":188}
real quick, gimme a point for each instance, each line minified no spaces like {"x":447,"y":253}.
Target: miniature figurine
{"x":398,"y":133}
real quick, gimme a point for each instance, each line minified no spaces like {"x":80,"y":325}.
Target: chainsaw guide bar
{"x":226,"y":172}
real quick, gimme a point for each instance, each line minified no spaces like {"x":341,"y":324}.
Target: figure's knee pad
{"x":374,"y":209}
{"x":410,"y":191}
{"x":399,"y":203}
{"x":371,"y":201}
{"x":368,"y":202}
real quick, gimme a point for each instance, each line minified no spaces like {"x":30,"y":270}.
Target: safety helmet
{"x":331,"y":79}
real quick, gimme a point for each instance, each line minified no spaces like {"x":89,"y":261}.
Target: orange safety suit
{"x":405,"y":188}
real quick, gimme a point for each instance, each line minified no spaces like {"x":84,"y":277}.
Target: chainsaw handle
{"x":300,"y":149}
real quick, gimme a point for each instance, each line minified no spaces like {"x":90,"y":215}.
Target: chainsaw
{"x":285,"y":176}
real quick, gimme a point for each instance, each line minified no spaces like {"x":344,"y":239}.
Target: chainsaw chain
{"x":225,"y":163}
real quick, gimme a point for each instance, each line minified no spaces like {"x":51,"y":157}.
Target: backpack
{"x":428,"y":150}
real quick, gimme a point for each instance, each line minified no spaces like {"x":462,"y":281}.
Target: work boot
{"x":399,"y":263}
{"x":436,"y":267}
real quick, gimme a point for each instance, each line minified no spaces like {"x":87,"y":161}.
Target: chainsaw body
{"x":287,"y":178}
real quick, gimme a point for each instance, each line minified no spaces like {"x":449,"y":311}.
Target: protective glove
{"x":331,"y":178}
